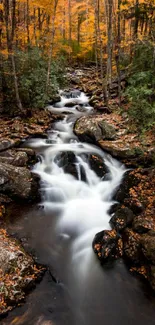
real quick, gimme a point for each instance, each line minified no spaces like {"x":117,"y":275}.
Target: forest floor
{"x":132,"y":148}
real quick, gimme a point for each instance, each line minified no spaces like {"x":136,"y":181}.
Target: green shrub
{"x":32,"y":81}
{"x":31,"y":70}
{"x":141,"y":87}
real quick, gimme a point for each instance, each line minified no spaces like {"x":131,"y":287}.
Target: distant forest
{"x":38,"y":38}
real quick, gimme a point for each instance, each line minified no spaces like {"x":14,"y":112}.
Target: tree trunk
{"x":70,"y":22}
{"x":136,"y":19}
{"x":110,"y":42}
{"x":27,"y":24}
{"x":10,"y":31}
{"x":51,"y":46}
{"x":119,"y":51}
{"x":100,"y":43}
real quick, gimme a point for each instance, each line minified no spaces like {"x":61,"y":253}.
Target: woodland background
{"x":39,"y":38}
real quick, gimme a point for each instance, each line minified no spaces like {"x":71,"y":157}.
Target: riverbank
{"x":19,"y":271}
{"x":136,"y":195}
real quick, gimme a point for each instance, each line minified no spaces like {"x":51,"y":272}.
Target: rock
{"x":129,"y":181}
{"x":66,"y":94}
{"x":132,"y":247}
{"x":148,"y":246}
{"x":151,"y":276}
{"x":97,"y":164}
{"x":18,"y":182}
{"x":142,"y":224}
{"x":6,"y":144}
{"x":18,"y":272}
{"x":20,"y":159}
{"x":55,"y":98}
{"x":102,"y":109}
{"x":93,"y":128}
{"x":93,"y":100}
{"x":120,"y":150}
{"x":67,"y":160}
{"x":70,"y":104}
{"x":32,"y":158}
{"x":122,"y":218}
{"x":80,"y":108}
{"x":71,"y":93}
{"x":123,"y":193}
{"x":108,"y":245}
{"x":14,"y":158}
{"x":75,"y":93}
{"x":4,"y":199}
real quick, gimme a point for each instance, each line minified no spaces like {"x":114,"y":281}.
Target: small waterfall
{"x":80,"y":200}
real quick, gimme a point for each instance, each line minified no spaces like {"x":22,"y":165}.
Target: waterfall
{"x":80,"y":200}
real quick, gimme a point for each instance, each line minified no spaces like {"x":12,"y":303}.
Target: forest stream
{"x":76,"y":199}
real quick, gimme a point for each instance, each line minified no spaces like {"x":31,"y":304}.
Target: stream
{"x":76,"y":200}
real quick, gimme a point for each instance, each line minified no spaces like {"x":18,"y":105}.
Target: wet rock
{"x":67,"y":160}
{"x":70,"y":104}
{"x":18,"y":182}
{"x":108,"y":245}
{"x":151,"y":276}
{"x":75,"y":93}
{"x":4,"y":199}
{"x":123,"y":193}
{"x":18,"y":272}
{"x":93,"y":128}
{"x":71,"y":93}
{"x":129,"y":181}
{"x":122,"y":218}
{"x":67,"y":94}
{"x":80,"y":108}
{"x":132,"y":247}
{"x":97,"y":164}
{"x":142,"y":224}
{"x":148,"y":246}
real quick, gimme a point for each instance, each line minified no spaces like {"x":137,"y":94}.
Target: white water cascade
{"x":81,"y":203}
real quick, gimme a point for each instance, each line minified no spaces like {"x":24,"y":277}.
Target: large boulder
{"x":14,"y":158}
{"x":122,"y":218}
{"x":118,"y":149}
{"x":18,"y":182}
{"x":97,"y":164}
{"x":124,"y":192}
{"x":18,"y":272}
{"x":143,"y":223}
{"x":93,"y":129}
{"x":108,"y":245}
{"x":130,"y":154}
{"x":132,"y":246}
{"x":148,"y":246}
{"x":68,"y":161}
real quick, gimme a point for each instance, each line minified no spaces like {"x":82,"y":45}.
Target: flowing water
{"x":76,"y":290}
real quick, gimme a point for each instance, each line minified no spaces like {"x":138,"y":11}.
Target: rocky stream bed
{"x":132,"y":216}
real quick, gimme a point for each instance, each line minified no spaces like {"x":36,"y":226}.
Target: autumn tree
{"x":10,"y":25}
